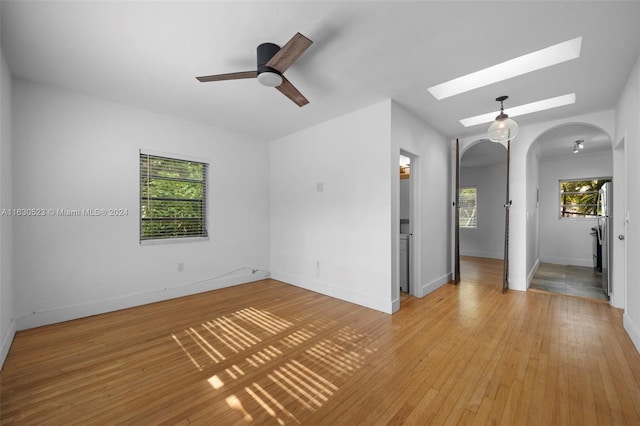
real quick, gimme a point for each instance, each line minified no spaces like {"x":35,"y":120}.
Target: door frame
{"x":415,"y":248}
{"x":458,"y":153}
{"x":620,"y":261}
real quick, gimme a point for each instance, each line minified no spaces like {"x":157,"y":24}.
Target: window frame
{"x":205,"y":198}
{"x":475,"y":226}
{"x":559,"y":206}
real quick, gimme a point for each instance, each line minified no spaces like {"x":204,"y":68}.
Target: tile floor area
{"x":570,"y":280}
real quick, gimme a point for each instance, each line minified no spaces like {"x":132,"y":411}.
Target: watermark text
{"x":60,"y":212}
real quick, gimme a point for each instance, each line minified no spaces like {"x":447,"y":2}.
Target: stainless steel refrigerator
{"x":605,"y":233}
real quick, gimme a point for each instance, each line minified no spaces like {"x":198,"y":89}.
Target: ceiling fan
{"x":273,"y":61}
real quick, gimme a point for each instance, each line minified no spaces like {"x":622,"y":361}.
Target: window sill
{"x":163,"y":241}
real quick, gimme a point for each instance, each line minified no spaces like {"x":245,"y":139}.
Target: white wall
{"x":72,"y":152}
{"x":335,"y":240}
{"x":567,"y":241}
{"x":627,"y":128}
{"x":7,"y":323}
{"x":487,"y":240}
{"x":430,"y":245}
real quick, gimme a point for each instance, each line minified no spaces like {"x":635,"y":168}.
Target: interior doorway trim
{"x":456,"y":220}
{"x":497,"y":245}
{"x":415,"y":248}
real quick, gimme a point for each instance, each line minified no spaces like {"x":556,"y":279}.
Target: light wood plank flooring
{"x":270,"y":353}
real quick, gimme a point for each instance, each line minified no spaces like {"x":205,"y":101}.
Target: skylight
{"x":533,"y":61}
{"x":558,"y":101}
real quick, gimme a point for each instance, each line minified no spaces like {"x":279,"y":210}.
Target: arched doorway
{"x":482,"y":181}
{"x":566,"y":167}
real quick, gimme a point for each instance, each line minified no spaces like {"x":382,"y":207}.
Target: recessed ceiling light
{"x":558,"y":101}
{"x":539,"y":59}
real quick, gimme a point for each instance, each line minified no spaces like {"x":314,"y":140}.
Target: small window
{"x":579,"y":197}
{"x":468,"y":210}
{"x":173,"y":201}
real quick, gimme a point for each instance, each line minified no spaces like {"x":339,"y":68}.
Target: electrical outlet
{"x":318,"y":268}
{"x":180,"y":267}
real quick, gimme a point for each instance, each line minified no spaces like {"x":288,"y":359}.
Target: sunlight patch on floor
{"x":235,"y":403}
{"x":294,"y":372}
{"x":215,"y":382}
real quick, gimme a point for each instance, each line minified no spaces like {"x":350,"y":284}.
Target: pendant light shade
{"x":504,"y":128}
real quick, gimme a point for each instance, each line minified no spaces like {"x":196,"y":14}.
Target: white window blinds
{"x":468,"y":207}
{"x":173,"y":196}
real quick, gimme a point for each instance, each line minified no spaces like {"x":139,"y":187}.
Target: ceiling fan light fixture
{"x":503,"y":128}
{"x":270,"y":79}
{"x":272,"y":62}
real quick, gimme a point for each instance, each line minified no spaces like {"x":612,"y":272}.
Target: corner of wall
{"x":331,"y":290}
{"x":432,"y":286}
{"x":533,"y":271}
{"x":7,"y":323}
{"x":632,"y":329}
{"x":5,"y":343}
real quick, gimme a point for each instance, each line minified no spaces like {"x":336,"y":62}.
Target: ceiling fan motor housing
{"x":265,"y":53}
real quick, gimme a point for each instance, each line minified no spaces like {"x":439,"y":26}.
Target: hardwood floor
{"x":269,"y":353}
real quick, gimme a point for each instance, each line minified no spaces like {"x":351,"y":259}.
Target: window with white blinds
{"x":468,"y":200}
{"x":173,"y":198}
{"x":579,"y":197}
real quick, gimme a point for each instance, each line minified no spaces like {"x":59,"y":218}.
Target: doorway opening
{"x":405,"y":223}
{"x":408,"y":226}
{"x":481,"y":199}
{"x":570,"y":212}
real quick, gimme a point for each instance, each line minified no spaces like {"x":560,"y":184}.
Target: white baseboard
{"x":327,"y":289}
{"x":568,"y":261}
{"x":632,"y":330}
{"x":7,"y":340}
{"x":480,"y":253}
{"x":395,"y":305}
{"x":533,"y":272}
{"x":67,"y":313}
{"x":434,"y":285}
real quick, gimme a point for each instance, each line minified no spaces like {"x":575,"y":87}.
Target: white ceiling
{"x":147,"y":54}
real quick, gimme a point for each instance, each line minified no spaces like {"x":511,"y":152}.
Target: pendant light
{"x":504,"y":128}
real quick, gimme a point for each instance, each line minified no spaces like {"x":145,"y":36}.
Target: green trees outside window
{"x":172,"y":198}
{"x":579,"y":198}
{"x":468,"y":199}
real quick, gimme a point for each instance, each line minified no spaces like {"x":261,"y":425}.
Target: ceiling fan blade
{"x":229,"y":76}
{"x":288,"y":54}
{"x":289,"y":90}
